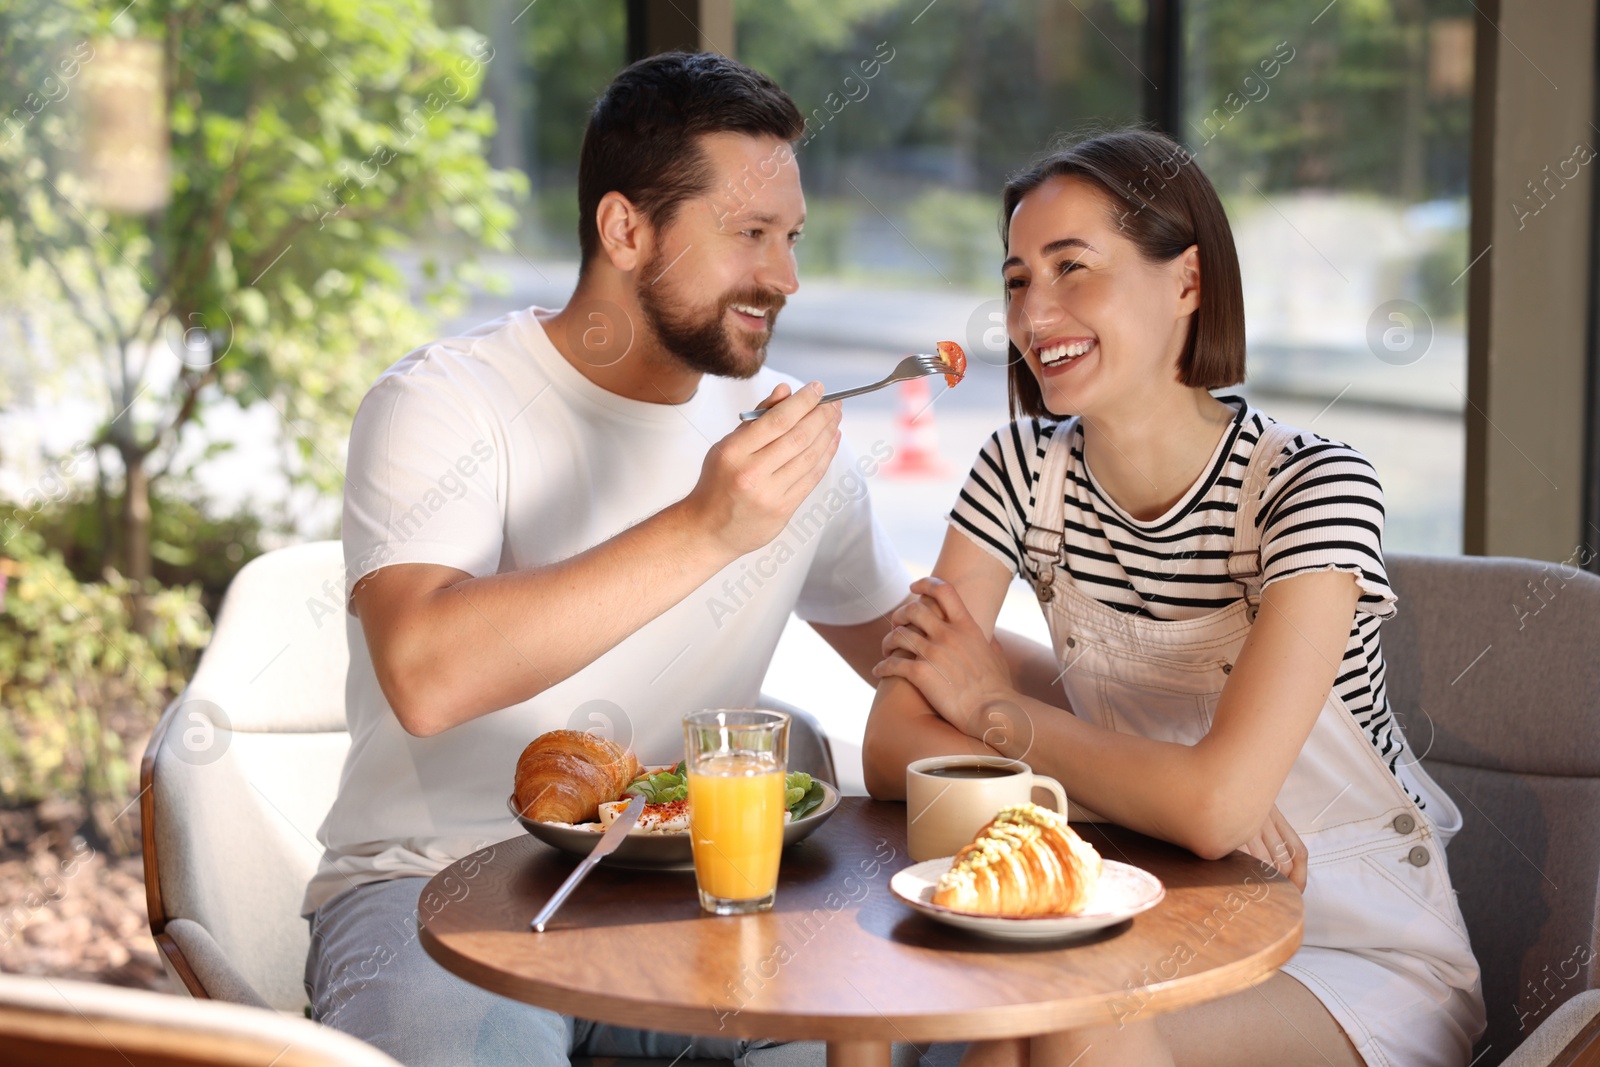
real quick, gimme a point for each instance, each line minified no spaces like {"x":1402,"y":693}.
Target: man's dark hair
{"x":642,"y":137}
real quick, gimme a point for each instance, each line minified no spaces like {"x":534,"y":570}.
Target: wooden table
{"x":839,"y":958}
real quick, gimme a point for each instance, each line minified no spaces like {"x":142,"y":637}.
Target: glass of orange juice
{"x":737,"y":758}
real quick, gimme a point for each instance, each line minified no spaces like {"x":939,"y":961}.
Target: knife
{"x":604,"y":847}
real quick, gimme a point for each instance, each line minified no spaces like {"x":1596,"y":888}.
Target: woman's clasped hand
{"x":937,"y":646}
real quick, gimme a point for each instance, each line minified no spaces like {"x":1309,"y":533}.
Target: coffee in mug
{"x":972,"y":770}
{"x":950,"y":798}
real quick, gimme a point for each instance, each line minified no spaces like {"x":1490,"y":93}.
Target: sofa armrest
{"x":210,"y":966}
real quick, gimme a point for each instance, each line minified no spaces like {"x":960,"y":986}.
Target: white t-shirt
{"x":489,"y":453}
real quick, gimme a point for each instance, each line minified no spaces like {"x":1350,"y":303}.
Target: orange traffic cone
{"x":916,"y":449}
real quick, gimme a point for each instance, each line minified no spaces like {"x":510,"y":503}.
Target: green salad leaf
{"x":794,"y":788}
{"x":663,"y":787}
{"x":802,"y":794}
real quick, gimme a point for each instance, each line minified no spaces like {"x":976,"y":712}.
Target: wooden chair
{"x":1494,"y":673}
{"x":48,"y":1022}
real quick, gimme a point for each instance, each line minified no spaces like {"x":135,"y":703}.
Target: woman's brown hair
{"x":1163,"y":203}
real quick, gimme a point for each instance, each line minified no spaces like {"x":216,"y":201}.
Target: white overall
{"x":1385,"y":948}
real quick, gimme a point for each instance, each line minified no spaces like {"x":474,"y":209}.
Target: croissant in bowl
{"x":1026,"y":862}
{"x":565,"y":775}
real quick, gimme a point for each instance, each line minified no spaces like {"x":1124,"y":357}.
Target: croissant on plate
{"x":565,"y":775}
{"x":1026,"y":862}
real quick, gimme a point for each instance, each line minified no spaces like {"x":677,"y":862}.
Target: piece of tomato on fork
{"x":952,"y":356}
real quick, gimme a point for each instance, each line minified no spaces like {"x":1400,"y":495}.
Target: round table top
{"x":839,"y":958}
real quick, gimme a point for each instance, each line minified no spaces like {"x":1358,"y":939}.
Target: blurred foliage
{"x":1353,"y":110}
{"x":33,"y":332}
{"x":572,"y":53}
{"x":553,"y":60}
{"x":951,"y":107}
{"x":970,"y":91}
{"x":917,"y":113}
{"x":310,"y":139}
{"x":826,"y":245}
{"x":81,"y":688}
{"x":191,"y":543}
{"x":975,"y":88}
{"x":1437,"y":274}
{"x":956,"y":230}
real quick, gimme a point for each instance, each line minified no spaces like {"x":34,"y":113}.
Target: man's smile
{"x":750,"y":316}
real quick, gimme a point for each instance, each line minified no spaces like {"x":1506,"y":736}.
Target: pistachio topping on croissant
{"x":1026,"y":862}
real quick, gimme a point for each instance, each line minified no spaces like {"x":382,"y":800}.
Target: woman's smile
{"x":1059,"y":355}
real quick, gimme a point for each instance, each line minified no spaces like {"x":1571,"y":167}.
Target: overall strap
{"x":1043,"y":544}
{"x":1244,"y":563}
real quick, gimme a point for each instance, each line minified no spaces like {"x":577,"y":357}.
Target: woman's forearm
{"x":1180,"y":797}
{"x":1034,"y":668}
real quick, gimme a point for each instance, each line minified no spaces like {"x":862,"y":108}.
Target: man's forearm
{"x":481,"y":644}
{"x":901,"y":729}
{"x":448,"y":648}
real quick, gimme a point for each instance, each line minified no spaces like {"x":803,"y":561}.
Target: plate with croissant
{"x":1028,"y":876}
{"x":571,"y":785}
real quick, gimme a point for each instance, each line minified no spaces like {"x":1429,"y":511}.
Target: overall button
{"x":1404,"y":824}
{"x":1418,"y":857}
{"x":1227,"y":668}
{"x":1072,"y":642}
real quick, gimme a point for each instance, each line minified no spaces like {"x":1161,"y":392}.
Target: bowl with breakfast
{"x":570,"y":786}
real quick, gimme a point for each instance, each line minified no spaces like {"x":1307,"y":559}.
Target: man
{"x":557,"y":520}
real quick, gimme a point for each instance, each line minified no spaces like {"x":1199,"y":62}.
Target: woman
{"x":1214,"y":583}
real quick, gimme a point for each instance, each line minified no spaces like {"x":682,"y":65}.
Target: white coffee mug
{"x":950,"y":798}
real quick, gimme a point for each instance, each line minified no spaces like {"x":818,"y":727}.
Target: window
{"x":1340,"y":144}
{"x":1338,"y":139}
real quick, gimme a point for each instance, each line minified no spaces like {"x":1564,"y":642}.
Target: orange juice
{"x":736,"y":825}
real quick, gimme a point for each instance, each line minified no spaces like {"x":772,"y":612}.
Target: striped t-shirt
{"x":1323,"y":510}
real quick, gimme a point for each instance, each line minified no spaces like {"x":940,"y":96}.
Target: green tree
{"x":1351,"y":110}
{"x":974,"y":88}
{"x":309,"y":139}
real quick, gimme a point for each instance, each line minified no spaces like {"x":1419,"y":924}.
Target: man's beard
{"x":700,"y":340}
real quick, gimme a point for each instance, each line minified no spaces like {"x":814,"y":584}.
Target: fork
{"x":905,"y":370}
